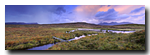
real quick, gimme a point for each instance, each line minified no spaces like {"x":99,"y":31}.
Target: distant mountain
{"x":113,"y":23}
{"x":77,"y":23}
{"x":131,"y":25}
{"x":20,"y":23}
{"x":74,"y":25}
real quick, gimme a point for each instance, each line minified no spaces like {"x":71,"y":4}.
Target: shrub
{"x":138,"y":37}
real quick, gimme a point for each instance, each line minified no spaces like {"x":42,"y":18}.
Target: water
{"x":123,"y":31}
{"x":76,"y":38}
{"x":71,"y":31}
{"x":89,"y":35}
{"x":84,"y":29}
{"x":104,"y":31}
{"x":44,"y":47}
{"x":99,"y":30}
{"x":115,"y":31}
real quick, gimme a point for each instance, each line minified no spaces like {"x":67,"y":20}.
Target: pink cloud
{"x":87,"y":9}
{"x":104,"y":8}
{"x":122,"y":9}
{"x":88,"y":12}
{"x":125,"y":9}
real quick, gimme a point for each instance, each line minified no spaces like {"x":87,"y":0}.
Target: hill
{"x":113,"y":23}
{"x":71,"y":25}
{"x":75,"y":24}
{"x":131,"y":25}
{"x":16,"y":23}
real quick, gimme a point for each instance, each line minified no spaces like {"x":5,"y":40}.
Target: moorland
{"x":22,"y":37}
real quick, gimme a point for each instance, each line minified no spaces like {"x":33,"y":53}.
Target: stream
{"x":44,"y":47}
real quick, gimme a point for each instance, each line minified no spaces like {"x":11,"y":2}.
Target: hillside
{"x":113,"y":23}
{"x":64,"y":25}
{"x":18,"y":23}
{"x":76,"y":24}
{"x":131,"y":25}
{"x":70,"y":25}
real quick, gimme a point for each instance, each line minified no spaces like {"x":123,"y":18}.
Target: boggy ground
{"x":23,"y":38}
{"x":18,"y":37}
{"x":106,"y":41}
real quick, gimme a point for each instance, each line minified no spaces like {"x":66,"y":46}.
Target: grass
{"x":23,"y":38}
{"x":134,"y":41}
{"x":28,"y":36}
{"x":123,"y":29}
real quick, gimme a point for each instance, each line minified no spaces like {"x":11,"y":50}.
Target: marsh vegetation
{"x":28,"y":36}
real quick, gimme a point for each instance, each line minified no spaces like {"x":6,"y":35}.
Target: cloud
{"x":137,"y":10}
{"x":123,"y":16}
{"x":87,"y":9}
{"x":136,"y":16}
{"x":121,"y":9}
{"x":60,"y":10}
{"x":108,"y":13}
{"x":104,"y":8}
{"x":125,"y":9}
{"x":70,"y":13}
{"x":111,"y":14}
{"x":109,"y":5}
{"x":18,"y":9}
{"x":87,"y":13}
{"x":46,"y":14}
{"x":32,"y":13}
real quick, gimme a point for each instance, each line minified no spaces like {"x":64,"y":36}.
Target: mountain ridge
{"x":114,"y":23}
{"x":18,"y":23}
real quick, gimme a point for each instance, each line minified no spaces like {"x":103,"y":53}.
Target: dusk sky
{"x":50,"y":14}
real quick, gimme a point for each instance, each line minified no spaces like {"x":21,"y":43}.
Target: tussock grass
{"x":23,"y":38}
{"x":106,"y":41}
{"x":28,"y":36}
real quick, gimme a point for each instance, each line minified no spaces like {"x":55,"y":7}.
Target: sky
{"x":52,"y":14}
